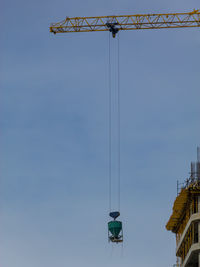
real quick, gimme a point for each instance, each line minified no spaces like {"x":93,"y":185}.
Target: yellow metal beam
{"x":179,"y":209}
{"x":127,"y":22}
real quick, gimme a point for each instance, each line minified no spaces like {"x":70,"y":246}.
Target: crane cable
{"x":109,"y":122}
{"x":111,"y":125}
{"x":119,"y":126}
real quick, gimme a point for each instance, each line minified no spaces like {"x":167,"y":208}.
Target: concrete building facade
{"x":185,"y":220}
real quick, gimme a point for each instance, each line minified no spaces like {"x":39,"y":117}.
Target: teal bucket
{"x":115,"y":228}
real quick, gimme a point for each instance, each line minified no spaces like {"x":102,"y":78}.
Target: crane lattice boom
{"x":127,"y":22}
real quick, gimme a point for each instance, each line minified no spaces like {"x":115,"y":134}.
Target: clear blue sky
{"x":54,"y":142}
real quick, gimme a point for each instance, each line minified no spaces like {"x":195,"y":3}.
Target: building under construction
{"x":185,"y":219}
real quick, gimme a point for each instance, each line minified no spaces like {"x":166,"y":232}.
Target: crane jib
{"x":128,"y":22}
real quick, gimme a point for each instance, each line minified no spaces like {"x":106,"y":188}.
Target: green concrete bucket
{"x":115,"y":228}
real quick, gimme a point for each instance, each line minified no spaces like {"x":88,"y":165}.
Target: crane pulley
{"x":127,"y":22}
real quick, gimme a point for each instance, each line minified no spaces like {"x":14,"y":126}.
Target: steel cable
{"x":119,"y":126}
{"x":109,"y":121}
{"x":116,"y":84}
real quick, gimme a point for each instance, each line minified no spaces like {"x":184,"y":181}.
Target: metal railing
{"x":194,"y":178}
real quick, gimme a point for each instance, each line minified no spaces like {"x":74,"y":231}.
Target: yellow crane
{"x":127,"y":22}
{"x":114,"y":24}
